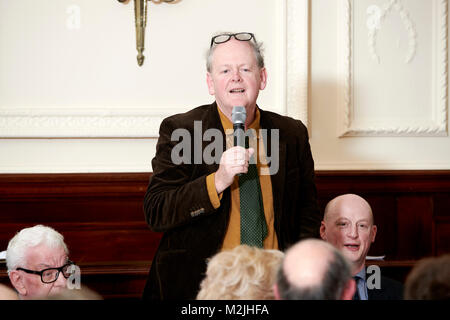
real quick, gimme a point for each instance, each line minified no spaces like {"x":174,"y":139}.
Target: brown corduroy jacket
{"x":177,"y":201}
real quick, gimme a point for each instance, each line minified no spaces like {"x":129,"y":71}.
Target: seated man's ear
{"x":323,"y":235}
{"x":349,"y":290}
{"x":18,"y":282}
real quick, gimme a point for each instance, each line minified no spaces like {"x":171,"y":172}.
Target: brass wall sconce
{"x":140,"y":17}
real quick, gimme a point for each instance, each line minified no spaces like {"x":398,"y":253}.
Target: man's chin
{"x":353,"y":256}
{"x":238,"y":102}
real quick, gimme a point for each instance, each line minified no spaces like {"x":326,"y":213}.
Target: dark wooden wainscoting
{"x":102,"y":220}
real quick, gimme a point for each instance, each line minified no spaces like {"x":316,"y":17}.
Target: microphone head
{"x":238,"y":115}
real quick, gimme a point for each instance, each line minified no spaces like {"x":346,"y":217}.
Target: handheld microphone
{"x":238,"y":116}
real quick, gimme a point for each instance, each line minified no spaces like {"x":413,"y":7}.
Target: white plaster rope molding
{"x":397,"y":131}
{"x":347,"y":56}
{"x":443,"y":97}
{"x":377,"y":15}
{"x":61,"y":123}
{"x":297,"y":59}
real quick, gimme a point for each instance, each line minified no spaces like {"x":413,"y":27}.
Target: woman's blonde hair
{"x":243,"y":273}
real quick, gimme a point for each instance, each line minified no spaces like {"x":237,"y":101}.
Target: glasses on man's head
{"x":50,"y":275}
{"x":241,"y":36}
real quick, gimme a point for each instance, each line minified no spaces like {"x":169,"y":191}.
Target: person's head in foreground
{"x":243,"y":273}
{"x":314,"y":270}
{"x":429,"y":279}
{"x":38,"y":263}
{"x":83,"y":293}
{"x":349,"y":226}
{"x":6,"y":293}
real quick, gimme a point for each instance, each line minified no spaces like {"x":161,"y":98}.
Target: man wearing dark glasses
{"x":204,"y":206}
{"x":38,"y":264}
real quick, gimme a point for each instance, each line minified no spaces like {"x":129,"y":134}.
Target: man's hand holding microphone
{"x":234,"y":161}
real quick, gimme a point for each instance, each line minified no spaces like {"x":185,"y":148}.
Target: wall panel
{"x":101,"y":217}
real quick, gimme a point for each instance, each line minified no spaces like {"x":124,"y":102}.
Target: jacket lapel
{"x":211,"y":120}
{"x":279,"y":177}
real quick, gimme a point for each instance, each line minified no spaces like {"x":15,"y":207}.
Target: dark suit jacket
{"x":177,"y":201}
{"x":389,"y":290}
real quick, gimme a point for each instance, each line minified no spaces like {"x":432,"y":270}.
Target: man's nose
{"x":353,"y":232}
{"x":236,"y":76}
{"x":61,"y":281}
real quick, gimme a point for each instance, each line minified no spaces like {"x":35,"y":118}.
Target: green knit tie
{"x":253,"y":220}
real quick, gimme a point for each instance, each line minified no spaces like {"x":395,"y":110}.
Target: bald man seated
{"x":313,"y":269}
{"x":348,"y":224}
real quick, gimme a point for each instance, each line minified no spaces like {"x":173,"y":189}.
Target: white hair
{"x":29,"y":238}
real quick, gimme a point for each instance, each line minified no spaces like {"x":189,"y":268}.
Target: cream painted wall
{"x":74,"y":99}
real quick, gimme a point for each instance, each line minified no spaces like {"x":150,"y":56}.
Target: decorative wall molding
{"x":374,"y":165}
{"x":436,"y":125}
{"x":298,"y":59}
{"x":378,"y":15}
{"x":84,"y":123}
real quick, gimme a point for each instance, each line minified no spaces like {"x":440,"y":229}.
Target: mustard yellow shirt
{"x":233,"y":233}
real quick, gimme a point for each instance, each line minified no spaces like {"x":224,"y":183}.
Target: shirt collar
{"x":227,"y":124}
{"x":361,"y":274}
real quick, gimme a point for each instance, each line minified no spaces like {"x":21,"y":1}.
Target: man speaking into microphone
{"x":260,"y":192}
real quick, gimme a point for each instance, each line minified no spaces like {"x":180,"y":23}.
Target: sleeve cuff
{"x":211,"y":186}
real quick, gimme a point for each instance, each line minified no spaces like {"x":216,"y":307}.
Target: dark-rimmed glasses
{"x":241,"y":36}
{"x":50,"y":275}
